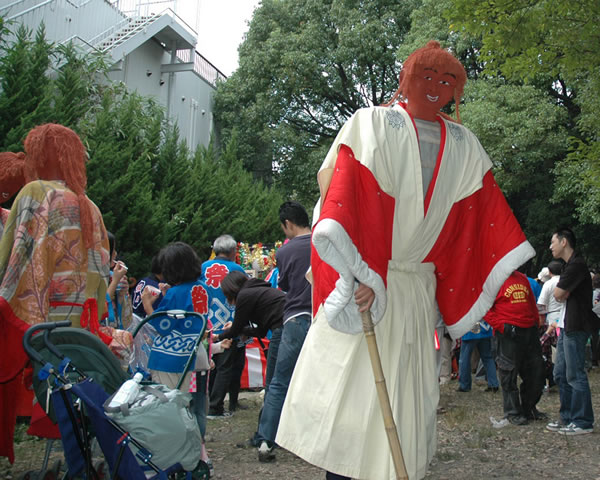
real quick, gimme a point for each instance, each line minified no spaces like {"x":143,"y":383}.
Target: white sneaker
{"x":555,"y":426}
{"x":573,"y":429}
{"x":266,"y":453}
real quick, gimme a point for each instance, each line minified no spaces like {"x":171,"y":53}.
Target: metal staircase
{"x":122,"y":32}
{"x":118,"y":34}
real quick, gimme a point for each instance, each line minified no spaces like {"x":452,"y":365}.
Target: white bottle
{"x":128,"y":391}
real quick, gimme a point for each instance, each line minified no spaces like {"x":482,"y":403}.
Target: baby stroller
{"x":74,"y":373}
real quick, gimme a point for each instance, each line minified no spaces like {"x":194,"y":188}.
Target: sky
{"x":221,"y":25}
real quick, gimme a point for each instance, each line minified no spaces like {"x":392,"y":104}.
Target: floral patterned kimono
{"x":46,"y":274}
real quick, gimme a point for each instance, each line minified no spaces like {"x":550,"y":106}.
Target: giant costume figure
{"x":54,"y":261}
{"x":407,"y":233}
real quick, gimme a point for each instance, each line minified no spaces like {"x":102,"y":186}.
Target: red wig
{"x":12,"y":177}
{"x":432,"y":55}
{"x":55,"y":152}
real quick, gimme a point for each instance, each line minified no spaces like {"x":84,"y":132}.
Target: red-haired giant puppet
{"x":54,"y":261}
{"x":409,"y":215}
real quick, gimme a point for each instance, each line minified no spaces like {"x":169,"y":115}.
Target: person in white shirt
{"x":547,"y":304}
{"x":552,"y":310}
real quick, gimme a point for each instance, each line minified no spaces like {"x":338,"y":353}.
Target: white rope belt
{"x":410,"y":267}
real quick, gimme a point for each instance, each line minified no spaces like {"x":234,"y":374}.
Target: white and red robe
{"x":455,"y":243}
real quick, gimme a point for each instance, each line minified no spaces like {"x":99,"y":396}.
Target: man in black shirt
{"x":575,"y":289}
{"x":293,"y":261}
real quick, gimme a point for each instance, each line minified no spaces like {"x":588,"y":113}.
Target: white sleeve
{"x":543,"y":299}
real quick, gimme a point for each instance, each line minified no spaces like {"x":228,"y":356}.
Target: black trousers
{"x":239,"y":362}
{"x":519,"y":354}
{"x":335,"y":476}
{"x":225,"y":378}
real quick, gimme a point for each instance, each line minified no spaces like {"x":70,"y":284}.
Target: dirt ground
{"x":469,"y":447}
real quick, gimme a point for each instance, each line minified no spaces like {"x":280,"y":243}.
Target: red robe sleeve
{"x":480,"y":245}
{"x":354,"y":236}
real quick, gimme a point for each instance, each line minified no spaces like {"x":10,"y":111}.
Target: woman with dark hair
{"x":181,"y":268}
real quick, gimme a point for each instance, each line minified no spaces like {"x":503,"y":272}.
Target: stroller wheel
{"x":52,"y":473}
{"x":100,"y":468}
{"x":201,"y":472}
{"x":30,"y":475}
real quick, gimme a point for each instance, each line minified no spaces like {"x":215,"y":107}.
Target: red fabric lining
{"x":14,"y":360}
{"x":479,"y":231}
{"x":41,"y":425}
{"x":355,"y":200}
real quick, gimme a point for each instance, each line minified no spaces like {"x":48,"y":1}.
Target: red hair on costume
{"x":432,"y":55}
{"x":55,"y":152}
{"x":12,"y":177}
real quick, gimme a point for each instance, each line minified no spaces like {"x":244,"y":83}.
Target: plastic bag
{"x":142,"y":343}
{"x":160,"y":419}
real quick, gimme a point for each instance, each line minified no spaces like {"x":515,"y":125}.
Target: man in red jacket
{"x":514,"y":317}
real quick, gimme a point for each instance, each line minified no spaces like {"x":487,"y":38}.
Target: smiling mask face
{"x":428,"y":91}
{"x":431,"y":77}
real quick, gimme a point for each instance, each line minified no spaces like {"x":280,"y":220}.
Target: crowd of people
{"x":530,"y":342}
{"x":536,"y":339}
{"x":59,"y":263}
{"x":402,"y":186}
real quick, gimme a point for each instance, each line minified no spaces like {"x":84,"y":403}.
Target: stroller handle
{"x":31,"y":353}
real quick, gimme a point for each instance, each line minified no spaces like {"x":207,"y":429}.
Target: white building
{"x":151,"y":48}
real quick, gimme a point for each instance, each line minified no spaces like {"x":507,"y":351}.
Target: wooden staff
{"x":383,"y":396}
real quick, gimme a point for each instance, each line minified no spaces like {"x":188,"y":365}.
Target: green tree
{"x":76,"y":88}
{"x":523,"y":132}
{"x":555,"y":42}
{"x":123,"y":140}
{"x":223,"y":197}
{"x":305,"y":67}
{"x":522,"y":38}
{"x":428,"y":22}
{"x":24,"y":99}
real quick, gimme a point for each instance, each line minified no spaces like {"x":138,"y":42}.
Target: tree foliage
{"x":305,"y":67}
{"x":522,"y":38}
{"x":152,"y":191}
{"x":24,"y":99}
{"x":523,"y":132}
{"x":227,"y":199}
{"x":428,"y":22}
{"x":557,"y":42}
